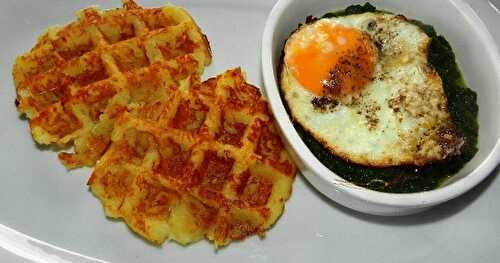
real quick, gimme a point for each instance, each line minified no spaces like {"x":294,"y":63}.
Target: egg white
{"x":399,"y":118}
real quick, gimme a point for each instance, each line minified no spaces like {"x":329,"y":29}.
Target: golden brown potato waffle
{"x":178,"y":159}
{"x":209,"y":164}
{"x":79,"y":78}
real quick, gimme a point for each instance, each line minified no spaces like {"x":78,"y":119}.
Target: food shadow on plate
{"x":44,"y":147}
{"x":437,"y":213}
{"x":51,"y":147}
{"x":172,"y":243}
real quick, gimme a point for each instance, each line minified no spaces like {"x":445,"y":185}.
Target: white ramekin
{"x":478,"y":58}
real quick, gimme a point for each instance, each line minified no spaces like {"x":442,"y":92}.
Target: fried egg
{"x":361,"y":85}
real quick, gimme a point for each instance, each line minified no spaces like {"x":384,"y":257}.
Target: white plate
{"x":43,"y":201}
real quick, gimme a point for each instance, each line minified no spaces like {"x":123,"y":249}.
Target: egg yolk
{"x":330,"y":59}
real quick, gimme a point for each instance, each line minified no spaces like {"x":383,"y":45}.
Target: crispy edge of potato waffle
{"x":93,"y":30}
{"x":101,"y":50}
{"x":240,"y":177}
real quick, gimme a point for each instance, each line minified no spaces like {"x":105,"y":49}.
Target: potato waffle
{"x":175,"y":158}
{"x":79,"y":78}
{"x":209,"y":164}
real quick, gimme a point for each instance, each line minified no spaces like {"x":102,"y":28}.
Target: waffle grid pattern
{"x":226,"y":158}
{"x":76,"y":73}
{"x":175,"y":158}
